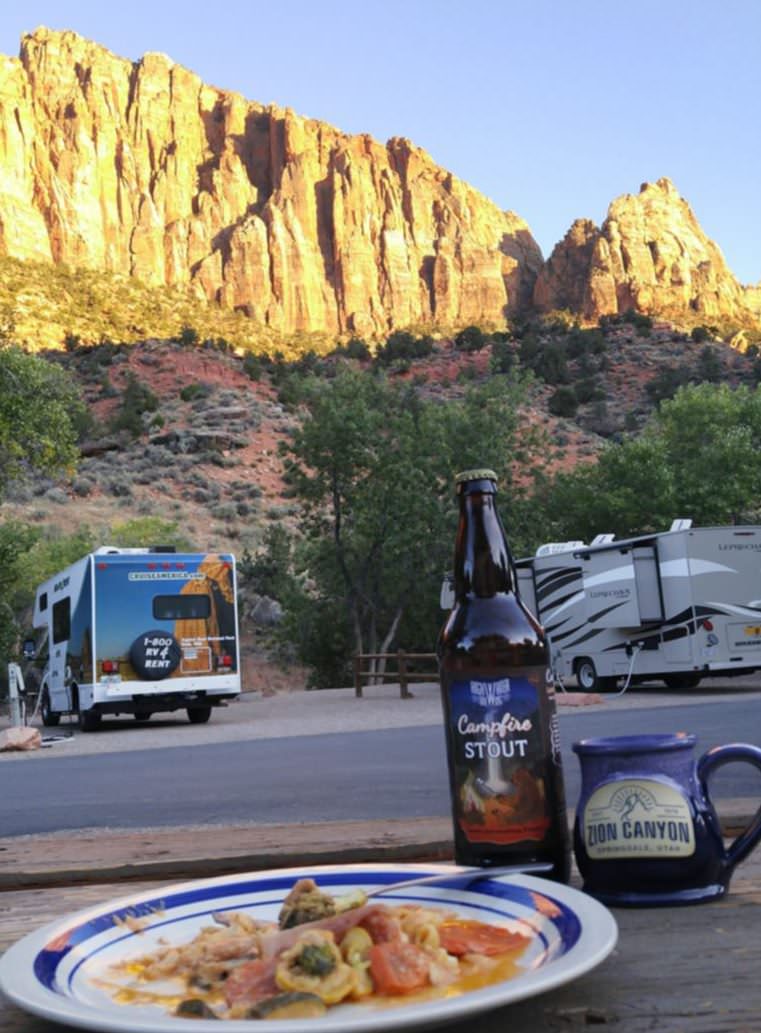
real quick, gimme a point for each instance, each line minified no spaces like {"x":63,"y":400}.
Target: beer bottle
{"x":506,"y":781}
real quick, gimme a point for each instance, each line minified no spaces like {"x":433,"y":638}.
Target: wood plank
{"x":176,"y":853}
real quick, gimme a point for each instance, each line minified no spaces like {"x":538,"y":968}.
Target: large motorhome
{"x":675,"y":606}
{"x":139,"y":631}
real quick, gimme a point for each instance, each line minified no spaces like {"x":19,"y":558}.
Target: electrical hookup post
{"x":16,"y":695}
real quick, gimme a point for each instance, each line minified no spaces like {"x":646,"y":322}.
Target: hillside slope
{"x":207,"y":452}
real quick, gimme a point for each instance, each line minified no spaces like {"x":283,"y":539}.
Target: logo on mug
{"x":637,"y":818}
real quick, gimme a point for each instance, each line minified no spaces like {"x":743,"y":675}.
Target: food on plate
{"x":324,"y":951}
{"x":307,"y":903}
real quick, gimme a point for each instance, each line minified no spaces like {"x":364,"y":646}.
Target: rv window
{"x":62,"y":620}
{"x":43,"y":602}
{"x":181,"y":607}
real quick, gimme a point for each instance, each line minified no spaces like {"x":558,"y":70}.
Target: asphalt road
{"x":388,"y":773}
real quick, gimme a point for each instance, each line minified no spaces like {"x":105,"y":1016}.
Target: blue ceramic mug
{"x":646,"y":832}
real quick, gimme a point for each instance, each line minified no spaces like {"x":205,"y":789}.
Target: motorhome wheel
{"x":88,"y":720}
{"x":199,"y":715}
{"x":586,"y":675}
{"x":682,"y":681}
{"x":155,"y":655}
{"x":589,"y":680}
{"x":49,"y":717}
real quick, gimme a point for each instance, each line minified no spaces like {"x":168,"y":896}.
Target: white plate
{"x":54,"y":971}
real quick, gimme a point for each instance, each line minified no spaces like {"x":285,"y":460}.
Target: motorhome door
{"x":58,"y":641}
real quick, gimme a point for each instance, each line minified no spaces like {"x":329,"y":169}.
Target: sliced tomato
{"x":382,"y":926}
{"x":477,"y":938}
{"x":251,"y":982}
{"x":398,"y":968}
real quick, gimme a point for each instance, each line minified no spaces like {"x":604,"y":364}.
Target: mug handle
{"x":712,"y":761}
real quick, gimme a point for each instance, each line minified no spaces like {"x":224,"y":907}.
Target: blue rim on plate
{"x":55,"y":971}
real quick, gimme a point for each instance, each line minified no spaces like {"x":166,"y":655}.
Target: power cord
{"x":637,"y":648}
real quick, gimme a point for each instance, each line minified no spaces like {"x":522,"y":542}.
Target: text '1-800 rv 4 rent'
{"x":675,"y":606}
{"x":139,"y":631}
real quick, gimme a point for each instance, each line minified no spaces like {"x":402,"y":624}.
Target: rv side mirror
{"x":29,"y":649}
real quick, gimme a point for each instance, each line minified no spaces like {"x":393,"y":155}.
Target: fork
{"x":466,"y":875}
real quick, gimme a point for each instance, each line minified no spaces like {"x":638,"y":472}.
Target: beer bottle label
{"x":500,"y":765}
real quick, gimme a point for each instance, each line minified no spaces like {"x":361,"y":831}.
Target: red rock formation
{"x":143,"y":169}
{"x":651,"y":256}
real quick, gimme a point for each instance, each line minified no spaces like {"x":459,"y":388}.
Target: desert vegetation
{"x":329,"y":472}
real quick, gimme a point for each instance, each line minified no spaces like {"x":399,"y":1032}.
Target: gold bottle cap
{"x":475,"y":475}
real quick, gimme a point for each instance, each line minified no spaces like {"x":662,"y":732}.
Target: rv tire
{"x":198,"y":715}
{"x":588,"y":678}
{"x":681,"y":681}
{"x":142,"y":715}
{"x":49,"y":717}
{"x":88,"y":719}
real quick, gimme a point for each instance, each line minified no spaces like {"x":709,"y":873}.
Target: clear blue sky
{"x":551,"y":109}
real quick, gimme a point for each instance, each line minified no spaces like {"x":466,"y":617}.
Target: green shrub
{"x":120,"y":488}
{"x":149,"y":530}
{"x":666,"y":383}
{"x":107,"y":389}
{"x":253,"y":366}
{"x":188,"y":337}
{"x":585,"y":342}
{"x":529,"y":348}
{"x":136,"y":400}
{"x":225,"y":511}
{"x":355,"y":348}
{"x":709,"y":367}
{"x":550,"y":363}
{"x":563,"y":402}
{"x":57,"y":495}
{"x":402,"y":345}
{"x":503,"y":357}
{"x":467,"y":374}
{"x":82,"y":486}
{"x":642,"y":323}
{"x":471,"y":339}
{"x":191,"y":392}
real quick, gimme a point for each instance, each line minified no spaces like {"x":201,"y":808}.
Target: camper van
{"x":138,"y":631}
{"x":675,"y":606}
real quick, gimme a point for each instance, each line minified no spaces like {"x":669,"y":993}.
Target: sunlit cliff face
{"x":143,"y":169}
{"x":650,"y":255}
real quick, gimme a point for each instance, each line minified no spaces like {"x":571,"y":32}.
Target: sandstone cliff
{"x":650,"y":255}
{"x":142,"y":169}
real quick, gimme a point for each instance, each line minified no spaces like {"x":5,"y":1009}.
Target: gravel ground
{"x":258,"y":716}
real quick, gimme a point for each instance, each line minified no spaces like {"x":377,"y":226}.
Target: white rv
{"x":675,"y":606}
{"x":139,"y":631}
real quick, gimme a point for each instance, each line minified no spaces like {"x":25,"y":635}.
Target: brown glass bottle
{"x":506,"y":780}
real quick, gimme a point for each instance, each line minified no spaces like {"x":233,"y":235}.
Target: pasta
{"x":376,"y":954}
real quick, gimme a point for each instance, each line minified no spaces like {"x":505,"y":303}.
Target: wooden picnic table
{"x":694,"y":969}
